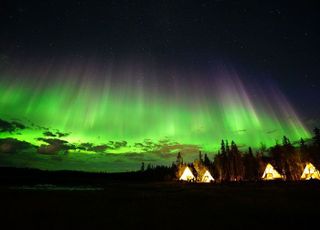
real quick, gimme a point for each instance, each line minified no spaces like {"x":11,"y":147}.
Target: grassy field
{"x":163,"y":206}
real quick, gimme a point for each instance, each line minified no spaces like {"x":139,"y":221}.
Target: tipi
{"x":310,"y":172}
{"x":270,"y":173}
{"x":187,"y":175}
{"x":207,"y":178}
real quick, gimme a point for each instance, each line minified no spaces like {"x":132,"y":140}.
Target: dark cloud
{"x":183,"y":148}
{"x":112,"y":145}
{"x":54,"y":146}
{"x":92,"y":148}
{"x":98,"y":148}
{"x":60,"y":134}
{"x":271,"y":131}
{"x":164,"y":141}
{"x":53,"y":141}
{"x":149,"y":145}
{"x":166,"y":146}
{"x":240,"y":131}
{"x":54,"y":134}
{"x":117,"y":144}
{"x":12,"y":145}
{"x":39,"y":127}
{"x":85,"y":146}
{"x":138,"y":145}
{"x":166,"y":155}
{"x":49,"y":134}
{"x":6,"y":126}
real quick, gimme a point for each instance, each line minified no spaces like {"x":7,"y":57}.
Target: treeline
{"x":233,"y":164}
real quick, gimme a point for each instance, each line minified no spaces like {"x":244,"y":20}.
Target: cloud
{"x":49,"y":134}
{"x":148,"y":145}
{"x":92,"y":148}
{"x":6,"y":126}
{"x":53,"y":141}
{"x":56,"y":134}
{"x":183,"y":148}
{"x":271,"y":131}
{"x":117,"y":144}
{"x":61,"y":134}
{"x":54,"y":146}
{"x":138,"y":145}
{"x":98,"y":148}
{"x":12,"y":145}
{"x":240,"y":131}
{"x":102,"y":148}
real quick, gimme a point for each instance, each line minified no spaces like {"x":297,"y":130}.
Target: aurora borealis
{"x":130,"y":116}
{"x":105,"y":90}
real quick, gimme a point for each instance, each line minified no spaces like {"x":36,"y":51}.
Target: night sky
{"x":107,"y":85}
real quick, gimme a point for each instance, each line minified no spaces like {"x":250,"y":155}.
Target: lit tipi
{"x":270,"y":173}
{"x":187,"y":175}
{"x":207,"y":178}
{"x":310,"y":172}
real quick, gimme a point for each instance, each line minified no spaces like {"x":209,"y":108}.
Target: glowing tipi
{"x":270,"y":173}
{"x":187,"y":175}
{"x":310,"y":172}
{"x":207,"y":178}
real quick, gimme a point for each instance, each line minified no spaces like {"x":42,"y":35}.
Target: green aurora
{"x":132,"y":116}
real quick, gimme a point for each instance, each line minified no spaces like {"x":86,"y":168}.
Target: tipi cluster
{"x":309,"y":172}
{"x":283,"y":161}
{"x":270,"y":173}
{"x":187,"y":175}
{"x":286,"y":161}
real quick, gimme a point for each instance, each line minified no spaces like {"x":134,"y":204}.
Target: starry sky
{"x":103,"y":86}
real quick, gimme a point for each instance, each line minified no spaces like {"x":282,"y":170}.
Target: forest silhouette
{"x":229,"y":164}
{"x":233,"y":164}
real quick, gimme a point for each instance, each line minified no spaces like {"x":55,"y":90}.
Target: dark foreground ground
{"x":164,"y":205}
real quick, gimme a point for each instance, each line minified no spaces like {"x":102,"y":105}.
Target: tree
{"x":291,"y":160}
{"x":263,"y":148}
{"x":304,"y":155}
{"x":218,"y":167}
{"x":227,"y":147}
{"x":236,"y":162}
{"x":224,"y":161}
{"x":179,"y":160}
{"x":200,"y":168}
{"x":200,"y":157}
{"x":278,"y":157}
{"x":206,"y":161}
{"x":223,"y":148}
{"x":251,"y":166}
{"x":142,"y":167}
{"x":285,"y":141}
{"x":302,"y":144}
{"x":315,"y":148}
{"x":316,"y":138}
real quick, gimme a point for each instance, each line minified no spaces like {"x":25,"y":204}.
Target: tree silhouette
{"x":218,"y":167}
{"x":142,"y":167}
{"x":206,"y":161}
{"x":232,"y":164}
{"x":179,"y":160}
{"x":200,"y":157}
{"x":251,"y":167}
{"x":316,"y":138}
